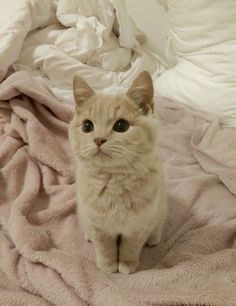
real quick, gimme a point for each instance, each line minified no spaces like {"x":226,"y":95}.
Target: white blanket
{"x":94,"y":38}
{"x":55,"y":39}
{"x":16,"y":20}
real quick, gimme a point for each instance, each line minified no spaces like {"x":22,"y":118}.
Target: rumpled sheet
{"x":54,"y":40}
{"x":44,"y":259}
{"x":17,"y":19}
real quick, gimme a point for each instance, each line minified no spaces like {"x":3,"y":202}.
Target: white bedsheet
{"x":55,"y":39}
{"x":94,"y":38}
{"x":17,"y":18}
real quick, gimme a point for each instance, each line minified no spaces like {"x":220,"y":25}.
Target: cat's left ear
{"x":141,"y":92}
{"x":82,"y":91}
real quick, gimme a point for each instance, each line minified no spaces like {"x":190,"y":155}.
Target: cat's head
{"x":113,"y":130}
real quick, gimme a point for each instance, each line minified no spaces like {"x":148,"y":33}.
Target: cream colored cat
{"x":120,"y":188}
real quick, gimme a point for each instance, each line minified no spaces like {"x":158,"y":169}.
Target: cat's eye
{"x":121,"y":126}
{"x":87,"y":126}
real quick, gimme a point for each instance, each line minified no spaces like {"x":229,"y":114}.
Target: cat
{"x":119,"y":178}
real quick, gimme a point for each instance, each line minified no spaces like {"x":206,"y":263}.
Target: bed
{"x":44,"y":259}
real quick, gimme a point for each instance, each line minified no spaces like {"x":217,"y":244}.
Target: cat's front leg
{"x":154,"y":238}
{"x":106,"y":253}
{"x":129,"y":252}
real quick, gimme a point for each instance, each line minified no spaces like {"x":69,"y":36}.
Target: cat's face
{"x":112,"y":131}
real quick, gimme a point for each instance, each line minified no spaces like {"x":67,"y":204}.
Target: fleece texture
{"x":44,"y":259}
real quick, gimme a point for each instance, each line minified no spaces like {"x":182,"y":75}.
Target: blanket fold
{"x":44,"y":259}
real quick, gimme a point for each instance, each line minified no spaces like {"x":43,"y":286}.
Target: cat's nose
{"x":99,"y":141}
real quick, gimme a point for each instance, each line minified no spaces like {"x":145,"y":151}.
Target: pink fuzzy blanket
{"x":44,"y":259}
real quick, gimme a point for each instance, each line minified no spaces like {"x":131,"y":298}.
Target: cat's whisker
{"x":125,"y":155}
{"x":87,"y":150}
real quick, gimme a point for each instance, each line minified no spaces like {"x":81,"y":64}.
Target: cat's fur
{"x":121,"y":192}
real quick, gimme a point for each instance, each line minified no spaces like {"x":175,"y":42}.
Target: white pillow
{"x":203,"y":36}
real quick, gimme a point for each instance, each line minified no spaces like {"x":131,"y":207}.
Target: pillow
{"x":203,"y":36}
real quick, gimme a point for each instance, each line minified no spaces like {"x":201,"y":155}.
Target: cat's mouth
{"x":102,"y":153}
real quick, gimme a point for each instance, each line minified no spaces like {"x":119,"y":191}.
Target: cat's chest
{"x":108,"y":187}
{"x":116,"y":203}
{"x":116,"y":191}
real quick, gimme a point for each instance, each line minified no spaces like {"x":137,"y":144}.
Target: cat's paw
{"x":128,"y":267}
{"x":107,"y":267}
{"x":153,"y":240}
{"x":87,"y":239}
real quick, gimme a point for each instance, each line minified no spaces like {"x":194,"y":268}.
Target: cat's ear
{"x":141,"y":91}
{"x":82,"y":91}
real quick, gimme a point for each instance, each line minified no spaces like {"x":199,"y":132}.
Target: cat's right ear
{"x":141,"y":92}
{"x":82,"y":91}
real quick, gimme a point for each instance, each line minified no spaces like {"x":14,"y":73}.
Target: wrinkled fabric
{"x":202,"y":37}
{"x":95,"y":39}
{"x":16,"y":21}
{"x":44,"y":259}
